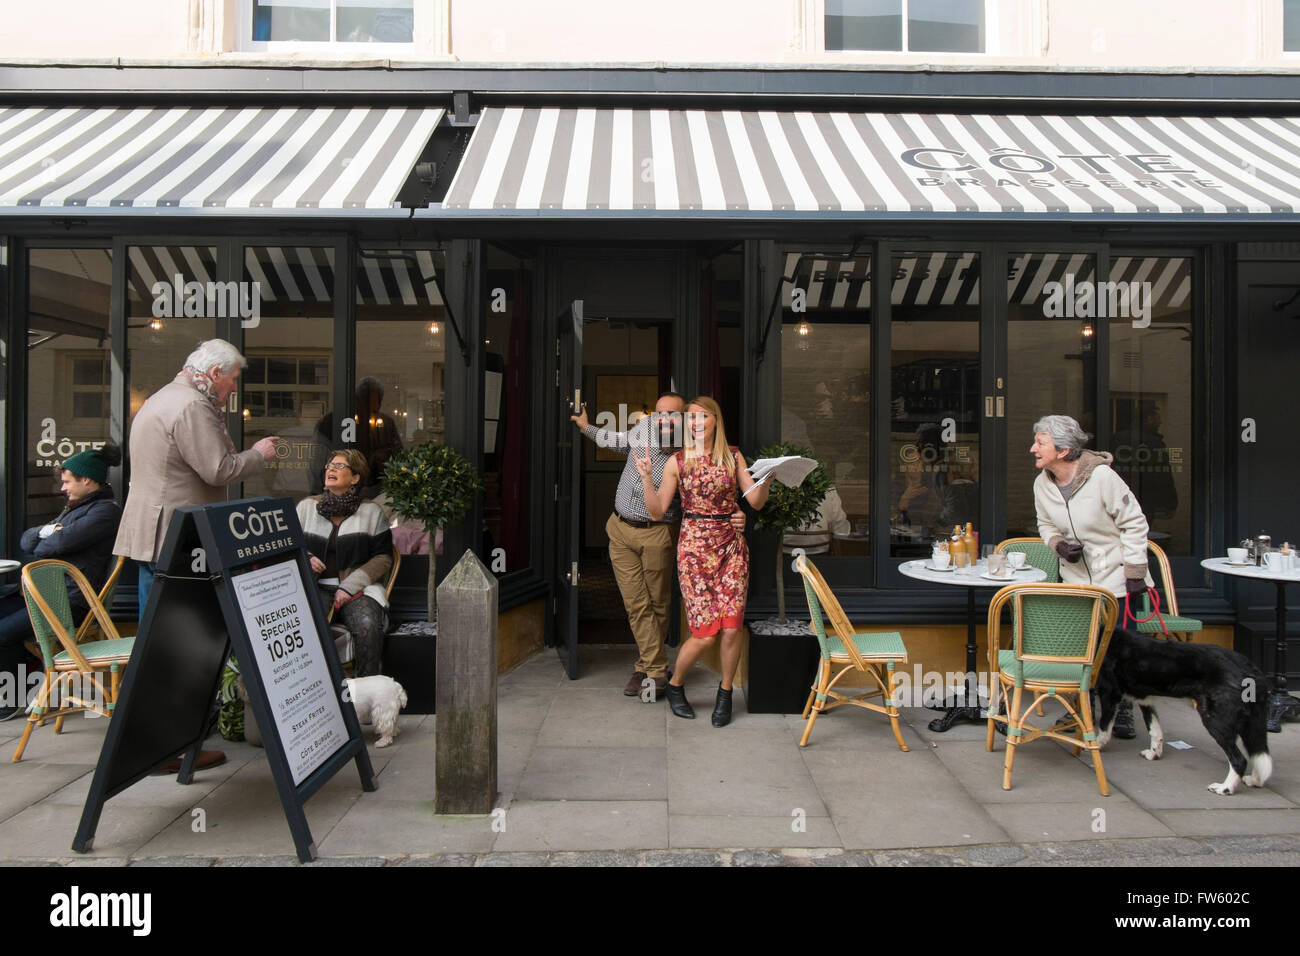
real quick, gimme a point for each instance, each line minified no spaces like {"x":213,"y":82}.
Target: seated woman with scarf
{"x":351,"y":550}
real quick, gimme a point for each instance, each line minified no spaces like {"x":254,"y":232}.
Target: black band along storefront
{"x":901,"y":280}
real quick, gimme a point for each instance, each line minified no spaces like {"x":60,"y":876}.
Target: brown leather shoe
{"x":633,"y":686}
{"x":207,"y":760}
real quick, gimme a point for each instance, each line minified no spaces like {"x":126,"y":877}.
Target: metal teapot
{"x":1263,"y":545}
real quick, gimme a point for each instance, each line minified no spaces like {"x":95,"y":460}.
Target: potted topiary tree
{"x":790,"y":509}
{"x":782,"y":654}
{"x":435,"y":485}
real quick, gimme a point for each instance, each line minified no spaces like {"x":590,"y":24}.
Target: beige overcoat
{"x":178,"y":458}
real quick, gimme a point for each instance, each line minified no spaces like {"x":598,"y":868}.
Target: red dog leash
{"x":1154,"y":595}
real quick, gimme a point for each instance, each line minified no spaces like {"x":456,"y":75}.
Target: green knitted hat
{"x":94,"y":464}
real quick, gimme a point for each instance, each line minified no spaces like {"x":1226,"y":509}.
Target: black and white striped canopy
{"x":576,"y":161}
{"x":277,"y":160}
{"x":952,"y":278}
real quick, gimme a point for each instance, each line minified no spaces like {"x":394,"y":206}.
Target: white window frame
{"x":265,"y":421}
{"x":1278,"y":31}
{"x":68,"y":361}
{"x":989,"y":18}
{"x":246,"y":42}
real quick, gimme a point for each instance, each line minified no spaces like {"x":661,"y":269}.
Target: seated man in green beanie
{"x":82,"y":535}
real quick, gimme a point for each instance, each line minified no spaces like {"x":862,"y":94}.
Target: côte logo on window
{"x":208,"y":300}
{"x":51,"y":450}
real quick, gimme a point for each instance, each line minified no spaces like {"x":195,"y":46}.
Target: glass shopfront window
{"x":935,"y":398}
{"x":68,"y":397}
{"x":507,"y":412}
{"x":286,"y":389}
{"x":826,"y":390}
{"x":1152,"y":392}
{"x":1051,"y":362}
{"x":402,"y":335}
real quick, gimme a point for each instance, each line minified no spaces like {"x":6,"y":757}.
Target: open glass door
{"x":568,"y":544}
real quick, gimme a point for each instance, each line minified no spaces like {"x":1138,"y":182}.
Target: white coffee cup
{"x":1016,"y":560}
{"x":1237,"y":555}
{"x":941,"y":559}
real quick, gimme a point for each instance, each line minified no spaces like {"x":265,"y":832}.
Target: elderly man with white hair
{"x":182,"y":454}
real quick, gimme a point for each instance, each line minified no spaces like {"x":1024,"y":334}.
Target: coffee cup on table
{"x":941,"y":559}
{"x":1016,"y":560}
{"x":1237,"y":555}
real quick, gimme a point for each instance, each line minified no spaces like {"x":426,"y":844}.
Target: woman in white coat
{"x":1090,"y":518}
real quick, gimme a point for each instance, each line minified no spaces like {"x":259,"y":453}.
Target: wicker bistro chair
{"x":844,"y":652}
{"x":89,"y":627}
{"x":1179,"y":627}
{"x":1036,"y":553}
{"x":75,"y":673}
{"x":1061,"y":632}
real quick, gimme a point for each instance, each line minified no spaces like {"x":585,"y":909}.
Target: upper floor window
{"x":330,"y":21}
{"x":917,"y":26}
{"x":1291,"y":26}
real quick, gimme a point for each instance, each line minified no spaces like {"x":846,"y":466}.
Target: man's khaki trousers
{"x":644,"y":560}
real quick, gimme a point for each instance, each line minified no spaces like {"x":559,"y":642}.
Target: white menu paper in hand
{"x":790,"y":470}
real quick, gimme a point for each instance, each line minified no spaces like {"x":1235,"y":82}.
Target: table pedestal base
{"x":1281,"y":706}
{"x":953,"y":714}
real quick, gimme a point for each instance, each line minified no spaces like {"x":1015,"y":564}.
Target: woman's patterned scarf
{"x":330,"y":505}
{"x":203,"y":382}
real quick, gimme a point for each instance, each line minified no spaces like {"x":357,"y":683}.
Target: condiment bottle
{"x":968,"y":543}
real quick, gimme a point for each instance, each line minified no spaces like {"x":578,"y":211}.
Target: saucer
{"x":998,"y":577}
{"x":1243,"y":564}
{"x":931,"y":567}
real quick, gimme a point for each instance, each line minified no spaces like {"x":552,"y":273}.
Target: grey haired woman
{"x":1090,"y":518}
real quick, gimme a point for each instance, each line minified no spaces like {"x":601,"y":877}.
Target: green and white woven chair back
{"x":1040,"y":556}
{"x":1055,"y":625}
{"x":815,"y":615}
{"x":51,"y":582}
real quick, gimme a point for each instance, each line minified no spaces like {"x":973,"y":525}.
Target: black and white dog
{"x":1230,"y":692}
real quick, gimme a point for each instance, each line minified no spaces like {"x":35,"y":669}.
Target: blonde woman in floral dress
{"x":712,"y":557}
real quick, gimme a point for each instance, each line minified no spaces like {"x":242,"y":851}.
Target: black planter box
{"x":411,"y":659}
{"x":781,"y":672}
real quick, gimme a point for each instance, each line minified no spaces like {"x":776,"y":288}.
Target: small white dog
{"x":378,"y":700}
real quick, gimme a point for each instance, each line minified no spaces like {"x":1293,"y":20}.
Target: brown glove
{"x":1070,"y":552}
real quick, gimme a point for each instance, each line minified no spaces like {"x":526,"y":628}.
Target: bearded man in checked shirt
{"x":643,"y":551}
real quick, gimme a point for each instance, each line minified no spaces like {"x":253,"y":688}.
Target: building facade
{"x":895,"y":232}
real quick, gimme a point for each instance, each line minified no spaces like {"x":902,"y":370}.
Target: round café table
{"x":1280,"y":703}
{"x":970,"y":580}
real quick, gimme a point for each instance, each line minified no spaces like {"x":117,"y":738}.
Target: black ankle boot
{"x":677,"y":701}
{"x":722,"y":709}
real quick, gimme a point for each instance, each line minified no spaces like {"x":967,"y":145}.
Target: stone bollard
{"x":466,"y":770}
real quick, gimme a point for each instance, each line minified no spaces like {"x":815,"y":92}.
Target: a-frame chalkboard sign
{"x":235,"y":576}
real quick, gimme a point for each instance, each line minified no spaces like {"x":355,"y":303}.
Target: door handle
{"x":988,"y":406}
{"x":1002,"y":406}
{"x":573,"y":575}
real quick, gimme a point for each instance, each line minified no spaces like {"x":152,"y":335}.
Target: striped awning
{"x":276,"y":160}
{"x":927,"y":279}
{"x":589,"y":161}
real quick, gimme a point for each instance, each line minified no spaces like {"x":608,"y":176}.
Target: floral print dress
{"x":712,"y":558}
